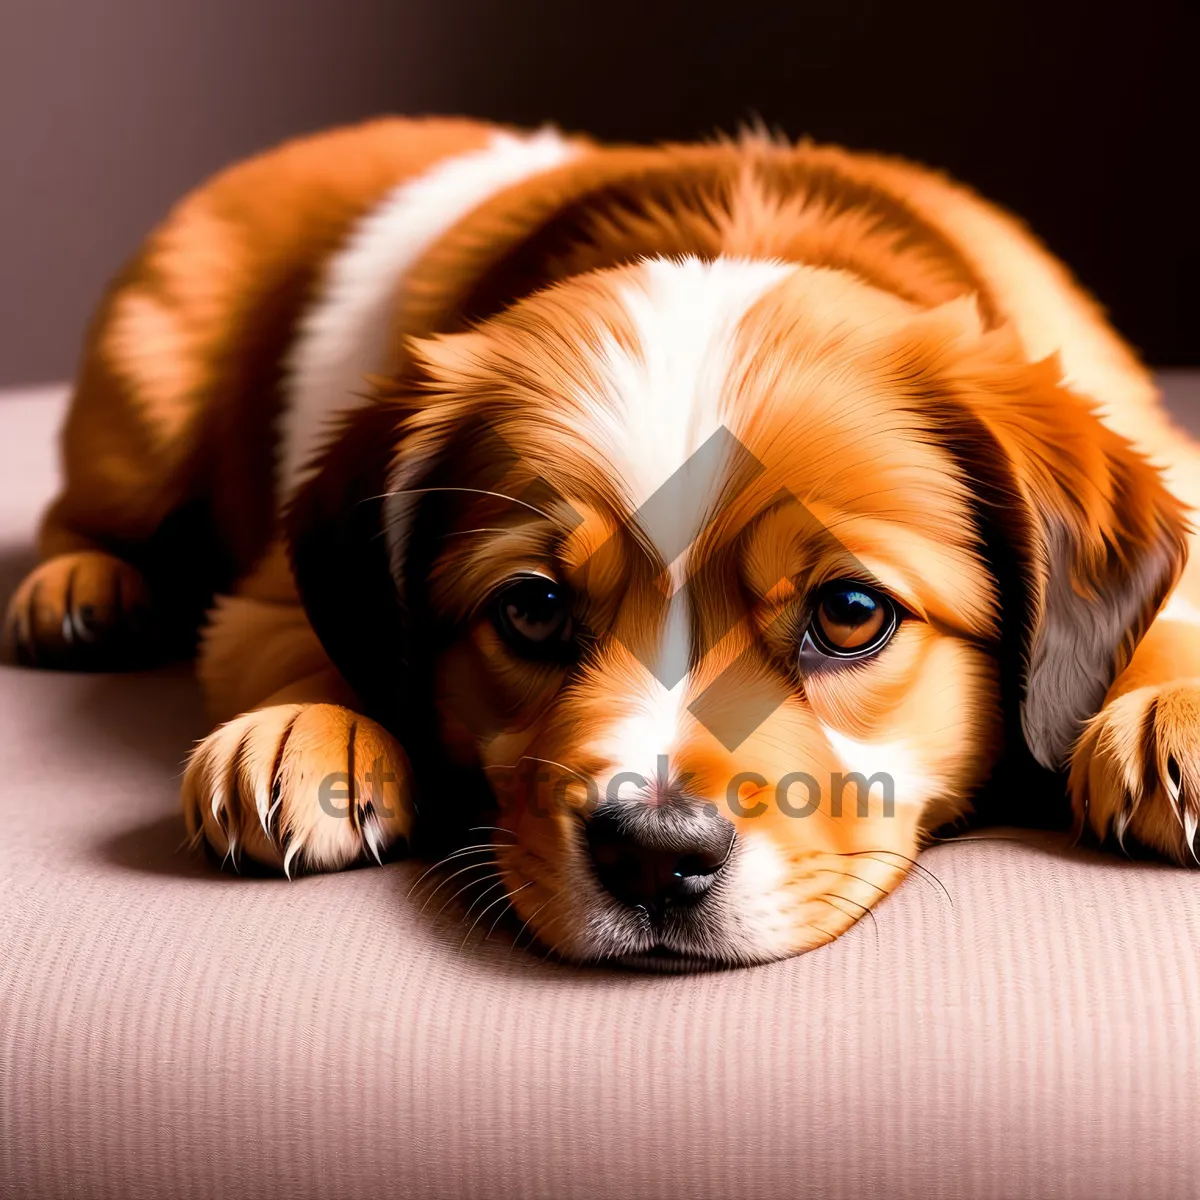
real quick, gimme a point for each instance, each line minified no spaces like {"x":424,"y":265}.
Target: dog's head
{"x":734,"y":579}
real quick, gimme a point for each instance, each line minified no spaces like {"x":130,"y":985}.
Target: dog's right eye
{"x":851,"y":621}
{"x":533,"y":615}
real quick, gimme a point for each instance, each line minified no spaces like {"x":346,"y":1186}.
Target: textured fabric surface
{"x":169,"y":1031}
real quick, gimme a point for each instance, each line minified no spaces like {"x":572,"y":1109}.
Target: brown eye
{"x":533,"y":615}
{"x":851,"y":620}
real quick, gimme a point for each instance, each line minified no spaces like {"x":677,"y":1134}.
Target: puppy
{"x":705,"y":525}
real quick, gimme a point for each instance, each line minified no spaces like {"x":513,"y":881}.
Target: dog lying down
{"x":701,"y":526}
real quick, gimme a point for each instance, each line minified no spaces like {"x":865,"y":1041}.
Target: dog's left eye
{"x":850,"y":620}
{"x":533,"y":615}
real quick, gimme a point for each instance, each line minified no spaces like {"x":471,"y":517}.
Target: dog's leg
{"x":300,"y":781}
{"x":1135,"y":772}
{"x":167,"y":452}
{"x":299,"y":784}
{"x":129,"y":549}
{"x":89,"y":604}
{"x":86,"y":609}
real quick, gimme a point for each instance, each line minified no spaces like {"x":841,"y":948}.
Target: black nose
{"x":653,"y":857}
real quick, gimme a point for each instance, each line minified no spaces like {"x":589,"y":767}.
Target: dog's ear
{"x":339,"y":554}
{"x":1110,"y":544}
{"x":355,"y":530}
{"x":1080,"y":528}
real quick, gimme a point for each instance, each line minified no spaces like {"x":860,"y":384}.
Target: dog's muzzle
{"x":657,"y":857}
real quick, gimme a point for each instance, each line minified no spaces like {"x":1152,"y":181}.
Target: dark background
{"x":1080,"y":117}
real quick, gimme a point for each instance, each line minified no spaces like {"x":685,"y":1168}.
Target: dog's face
{"x":719,"y":566}
{"x":719,"y":630}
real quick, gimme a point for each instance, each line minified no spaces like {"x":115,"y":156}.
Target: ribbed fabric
{"x":168,"y":1031}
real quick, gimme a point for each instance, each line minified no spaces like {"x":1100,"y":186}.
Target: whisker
{"x":939,"y":841}
{"x":532,"y":917}
{"x":912,"y":862}
{"x":466,"y":887}
{"x":554,"y":946}
{"x":828,"y":898}
{"x":504,"y":912}
{"x":489,"y":908}
{"x":551,"y":763}
{"x":449,"y":533}
{"x":849,"y":875}
{"x":494,"y":829}
{"x":837,"y":896}
{"x":476,"y":491}
{"x":483,"y":848}
{"x":487,"y":891}
{"x":480,"y":866}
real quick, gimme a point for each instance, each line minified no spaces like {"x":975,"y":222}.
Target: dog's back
{"x":242,"y":319}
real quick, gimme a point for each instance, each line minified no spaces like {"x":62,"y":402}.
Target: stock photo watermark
{"x":721,"y":467}
{"x":796,"y":794}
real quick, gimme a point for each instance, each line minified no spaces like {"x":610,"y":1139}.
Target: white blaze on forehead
{"x":658,"y":418}
{"x":346,"y":334}
{"x":664,"y":398}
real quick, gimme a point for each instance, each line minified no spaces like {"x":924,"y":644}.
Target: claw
{"x":1187,"y":815}
{"x":218,"y":809}
{"x":290,"y":853}
{"x":1120,"y":825}
{"x":263,"y":808}
{"x":372,"y":835}
{"x":1123,"y":819}
{"x":231,"y":853}
{"x":1190,"y":824}
{"x":273,"y":811}
{"x":1172,"y":785}
{"x":1174,"y":779}
{"x":82,"y":623}
{"x":68,"y":627}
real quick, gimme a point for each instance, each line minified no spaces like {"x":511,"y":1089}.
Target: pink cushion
{"x":169,"y":1031}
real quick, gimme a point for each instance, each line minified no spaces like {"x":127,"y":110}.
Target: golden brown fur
{"x":178,"y":387}
{"x":918,"y":387}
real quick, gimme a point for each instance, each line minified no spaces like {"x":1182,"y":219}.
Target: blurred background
{"x":1079,"y":116}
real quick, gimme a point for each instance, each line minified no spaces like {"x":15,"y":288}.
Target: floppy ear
{"x":356,"y":531}
{"x":339,"y":556}
{"x":1110,"y":546}
{"x":1082,"y":524}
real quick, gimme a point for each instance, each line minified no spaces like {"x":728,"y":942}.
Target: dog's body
{"x":795,"y":449}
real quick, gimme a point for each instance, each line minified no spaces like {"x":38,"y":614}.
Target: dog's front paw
{"x":310,"y":787}
{"x":86,"y":611}
{"x":1135,"y":773}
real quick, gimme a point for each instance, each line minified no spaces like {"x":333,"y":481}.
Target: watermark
{"x":675,"y":519}
{"x":542,"y":793}
{"x":721,"y":467}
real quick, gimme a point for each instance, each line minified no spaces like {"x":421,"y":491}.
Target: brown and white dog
{"x":671,"y":491}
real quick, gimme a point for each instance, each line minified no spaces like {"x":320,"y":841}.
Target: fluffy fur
{"x":692,"y":386}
